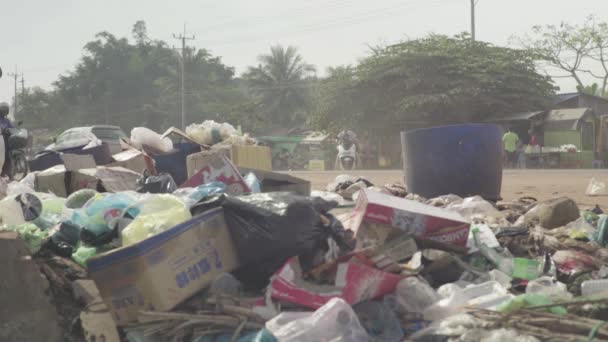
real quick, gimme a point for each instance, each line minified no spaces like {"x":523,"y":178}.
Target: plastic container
{"x":464,"y":160}
{"x":414,"y":295}
{"x":549,"y":287}
{"x":594,"y":287}
{"x":334,"y":321}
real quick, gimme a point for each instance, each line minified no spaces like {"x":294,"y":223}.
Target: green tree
{"x":281,"y":83}
{"x":435,"y":80}
{"x":575,"y":51}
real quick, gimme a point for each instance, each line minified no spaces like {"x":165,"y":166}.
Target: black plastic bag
{"x":161,"y":184}
{"x":63,"y":238}
{"x":269,"y":228}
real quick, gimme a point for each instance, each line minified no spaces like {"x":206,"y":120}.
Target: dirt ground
{"x":542,"y":184}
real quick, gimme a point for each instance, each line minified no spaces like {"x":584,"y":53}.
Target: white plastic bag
{"x":334,"y":321}
{"x":210,"y":132}
{"x":143,"y":136}
{"x":472,"y":206}
{"x":596,"y":188}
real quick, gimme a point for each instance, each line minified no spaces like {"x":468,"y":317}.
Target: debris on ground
{"x":227,"y":252}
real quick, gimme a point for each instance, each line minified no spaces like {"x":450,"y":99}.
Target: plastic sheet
{"x":142,"y":136}
{"x":156,"y":214}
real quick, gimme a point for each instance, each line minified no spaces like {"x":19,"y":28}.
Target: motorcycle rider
{"x":5,"y":123}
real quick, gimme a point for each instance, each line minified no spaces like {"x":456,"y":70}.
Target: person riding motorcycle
{"x":5,"y":123}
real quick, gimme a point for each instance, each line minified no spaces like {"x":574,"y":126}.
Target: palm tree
{"x":281,"y":82}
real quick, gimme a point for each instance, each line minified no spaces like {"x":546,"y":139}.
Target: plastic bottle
{"x":549,"y":287}
{"x":486,"y":295}
{"x":414,"y":295}
{"x":594,"y":287}
{"x":505,"y":265}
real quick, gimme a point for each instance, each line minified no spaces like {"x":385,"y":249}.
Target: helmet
{"x":4,"y":109}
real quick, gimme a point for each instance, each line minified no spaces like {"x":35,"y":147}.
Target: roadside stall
{"x":298,"y":152}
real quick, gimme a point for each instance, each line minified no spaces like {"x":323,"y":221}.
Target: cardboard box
{"x":164,"y":270}
{"x":274,"y":181}
{"x":52,"y":180}
{"x":205,"y":167}
{"x":251,"y":157}
{"x":131,"y":159}
{"x":378,"y":213}
{"x":61,"y":182}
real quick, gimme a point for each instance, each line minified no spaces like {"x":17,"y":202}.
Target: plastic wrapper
{"x":141,"y":136}
{"x":79,"y":198}
{"x":269,"y":228}
{"x":334,"y":321}
{"x":596,"y":188}
{"x":31,"y":234}
{"x":253,"y":183}
{"x":98,"y":216}
{"x":160,"y":184}
{"x":156,"y":215}
{"x":191,"y":196}
{"x":210,"y":132}
{"x":473,"y":206}
{"x":64,"y":238}
{"x":84,"y":253}
{"x":379,"y":321}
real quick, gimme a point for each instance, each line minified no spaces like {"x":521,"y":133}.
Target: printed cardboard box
{"x":162,"y":271}
{"x":206,"y":167}
{"x":380,"y":214}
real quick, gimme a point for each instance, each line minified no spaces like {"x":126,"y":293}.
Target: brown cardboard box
{"x":62,"y":183}
{"x":131,"y":159}
{"x":52,"y":181}
{"x":252,"y":157}
{"x":162,"y":271}
{"x":274,"y":181}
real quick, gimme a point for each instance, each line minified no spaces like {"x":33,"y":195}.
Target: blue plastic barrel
{"x":464,"y":160}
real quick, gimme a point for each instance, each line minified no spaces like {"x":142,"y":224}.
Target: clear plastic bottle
{"x":504,"y":264}
{"x":594,"y":287}
{"x":414,"y":295}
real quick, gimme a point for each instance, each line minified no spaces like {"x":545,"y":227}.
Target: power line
{"x":183,"y":37}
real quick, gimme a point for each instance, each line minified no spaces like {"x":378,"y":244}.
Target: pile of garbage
{"x":227,"y":255}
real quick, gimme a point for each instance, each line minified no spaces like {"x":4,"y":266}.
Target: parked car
{"x":82,"y":136}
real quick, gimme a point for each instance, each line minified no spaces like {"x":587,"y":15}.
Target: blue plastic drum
{"x":464,"y":160}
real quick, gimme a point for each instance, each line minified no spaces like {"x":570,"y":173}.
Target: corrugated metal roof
{"x":559,"y":98}
{"x":514,"y":117}
{"x":565,"y":119}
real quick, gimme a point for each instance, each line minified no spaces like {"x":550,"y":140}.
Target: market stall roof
{"x":515,"y":116}
{"x":566,"y":119}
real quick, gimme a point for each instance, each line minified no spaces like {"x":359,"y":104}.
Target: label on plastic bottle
{"x":525,"y":268}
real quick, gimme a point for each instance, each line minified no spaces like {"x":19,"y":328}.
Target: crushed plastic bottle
{"x":414,"y":295}
{"x":334,"y":321}
{"x":504,"y":264}
{"x":157,"y":214}
{"x":549,"y":287}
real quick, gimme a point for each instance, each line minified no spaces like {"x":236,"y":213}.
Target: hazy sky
{"x":45,"y":38}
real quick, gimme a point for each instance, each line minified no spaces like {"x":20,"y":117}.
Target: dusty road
{"x":542,"y":184}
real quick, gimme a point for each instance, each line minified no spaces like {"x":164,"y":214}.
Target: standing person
{"x":5,"y":123}
{"x":510,"y":140}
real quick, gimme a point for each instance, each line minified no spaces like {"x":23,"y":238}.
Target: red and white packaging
{"x":206,"y":167}
{"x":355,"y":283}
{"x":411,"y":217}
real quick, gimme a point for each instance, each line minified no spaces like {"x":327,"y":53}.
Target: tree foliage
{"x":280,"y":82}
{"x":435,"y":80}
{"x":576,"y":51}
{"x":133,"y":84}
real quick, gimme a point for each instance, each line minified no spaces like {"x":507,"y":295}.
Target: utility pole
{"x":22,"y":86}
{"x":183,"y":38}
{"x":473,"y":3}
{"x":15,"y":76}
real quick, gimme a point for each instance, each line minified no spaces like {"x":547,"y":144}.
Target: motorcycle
{"x":347,"y":155}
{"x":18,"y":140}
